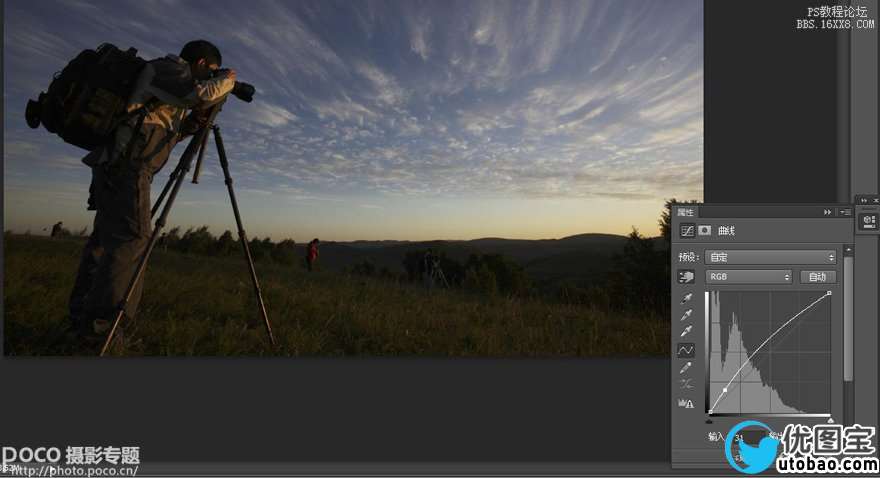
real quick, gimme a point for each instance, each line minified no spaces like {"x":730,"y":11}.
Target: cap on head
{"x":196,"y":50}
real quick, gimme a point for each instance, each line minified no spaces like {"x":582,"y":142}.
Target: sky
{"x":406,"y":120}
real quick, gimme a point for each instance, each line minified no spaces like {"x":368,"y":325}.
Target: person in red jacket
{"x":312,"y":253}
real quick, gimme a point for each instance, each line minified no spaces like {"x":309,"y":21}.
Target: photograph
{"x":430,"y":179}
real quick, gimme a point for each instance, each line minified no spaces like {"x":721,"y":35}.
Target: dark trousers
{"x":120,"y":194}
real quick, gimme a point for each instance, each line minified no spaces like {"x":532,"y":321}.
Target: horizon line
{"x":46,"y":233}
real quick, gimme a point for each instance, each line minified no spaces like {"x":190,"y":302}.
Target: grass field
{"x":205,"y":306}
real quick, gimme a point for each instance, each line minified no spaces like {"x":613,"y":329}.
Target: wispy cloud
{"x":444,"y":99}
{"x":271,"y":115}
{"x":387,"y":90}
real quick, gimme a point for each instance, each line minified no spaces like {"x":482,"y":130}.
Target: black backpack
{"x":88,"y":98}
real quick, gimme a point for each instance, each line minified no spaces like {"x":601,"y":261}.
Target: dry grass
{"x":205,"y":306}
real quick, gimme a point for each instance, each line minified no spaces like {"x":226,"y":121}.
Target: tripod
{"x":197,"y":143}
{"x":438,"y":275}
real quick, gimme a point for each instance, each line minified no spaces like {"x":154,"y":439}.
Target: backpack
{"x":87,"y":100}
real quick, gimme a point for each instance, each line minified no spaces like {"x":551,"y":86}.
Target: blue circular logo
{"x":756,"y":458}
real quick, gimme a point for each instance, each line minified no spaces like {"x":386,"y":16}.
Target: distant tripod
{"x":197,"y":143}
{"x":437,"y":274}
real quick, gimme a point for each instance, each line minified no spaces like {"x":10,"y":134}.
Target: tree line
{"x":638,"y":281}
{"x":201,"y":241}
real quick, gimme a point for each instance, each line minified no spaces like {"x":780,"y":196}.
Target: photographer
{"x":428,"y":264}
{"x":123,"y":171}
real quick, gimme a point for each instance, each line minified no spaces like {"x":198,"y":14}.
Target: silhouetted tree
{"x":172,"y":239}
{"x":638,"y":280}
{"x":509,"y":277}
{"x":285,"y":252}
{"x":258,"y":253}
{"x":479,"y":278}
{"x":225,"y":244}
{"x":197,"y":241}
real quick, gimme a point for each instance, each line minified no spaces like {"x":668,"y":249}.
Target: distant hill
{"x":525,"y":251}
{"x":582,"y":257}
{"x":372,"y":244}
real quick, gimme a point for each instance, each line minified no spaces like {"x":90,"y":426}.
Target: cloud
{"x":387,"y":90}
{"x":548,"y":98}
{"x":479,"y":123}
{"x":20,"y":148}
{"x":33,"y":46}
{"x":272,"y":115}
{"x":420,"y":30}
{"x":345,"y":110}
{"x":409,"y":126}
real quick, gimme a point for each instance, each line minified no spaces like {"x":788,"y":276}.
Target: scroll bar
{"x":707,"y":321}
{"x":848,"y":384}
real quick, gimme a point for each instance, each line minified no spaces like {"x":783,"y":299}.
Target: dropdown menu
{"x":771,"y":257}
{"x":746,"y":276}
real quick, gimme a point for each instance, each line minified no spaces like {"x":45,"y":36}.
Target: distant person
{"x":428,"y":264}
{"x":312,"y":253}
{"x":162,"y":242}
{"x":57,"y":229}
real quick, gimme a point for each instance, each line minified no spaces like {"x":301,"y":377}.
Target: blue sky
{"x":395,"y":120}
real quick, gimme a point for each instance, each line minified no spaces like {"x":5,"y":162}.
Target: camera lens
{"x":244,"y":91}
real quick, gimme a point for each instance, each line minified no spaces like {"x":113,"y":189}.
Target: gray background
{"x":359,"y":410}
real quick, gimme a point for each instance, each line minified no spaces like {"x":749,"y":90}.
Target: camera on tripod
{"x":241,"y":90}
